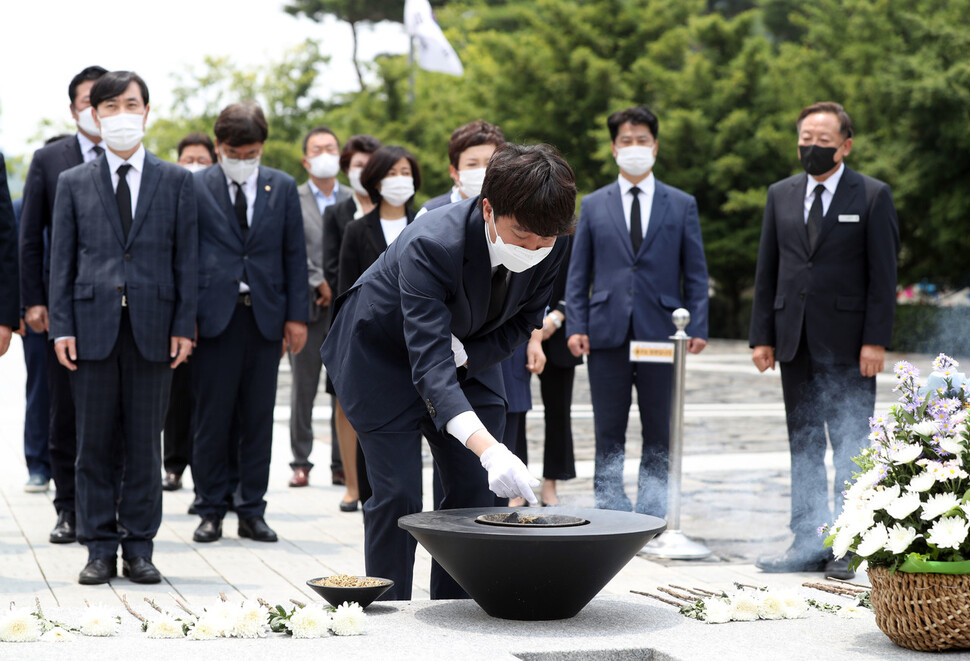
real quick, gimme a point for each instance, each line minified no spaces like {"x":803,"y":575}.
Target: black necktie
{"x":123,"y":195}
{"x":240,"y":207}
{"x":98,"y":150}
{"x":636,"y":230}
{"x":496,"y":297}
{"x":815,"y":217}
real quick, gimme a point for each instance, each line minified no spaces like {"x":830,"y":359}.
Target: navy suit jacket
{"x":93,"y":265}
{"x":608,"y":286}
{"x":9,"y":296}
{"x":390,"y":344}
{"x":39,"y":190}
{"x":842,"y":293}
{"x":273,"y":254}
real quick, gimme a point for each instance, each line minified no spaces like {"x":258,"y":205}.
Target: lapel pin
{"x":267,"y":188}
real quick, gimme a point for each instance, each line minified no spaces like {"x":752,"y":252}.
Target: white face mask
{"x":470,"y":181}
{"x":194,"y":167}
{"x":354,"y":176}
{"x":85,"y":121}
{"x":238,"y":169}
{"x":397,"y":190}
{"x":515,"y":258}
{"x":635,"y":160}
{"x":324,"y":166}
{"x":123,"y":131}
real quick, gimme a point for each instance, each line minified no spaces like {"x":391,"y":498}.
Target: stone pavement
{"x":735,"y":500}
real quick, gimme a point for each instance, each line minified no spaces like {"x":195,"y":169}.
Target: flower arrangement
{"x":746,"y":605}
{"x":909,"y":504}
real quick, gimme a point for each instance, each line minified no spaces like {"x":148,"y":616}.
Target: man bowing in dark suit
{"x":825,"y":296}
{"x":35,"y":225}
{"x":637,"y":256}
{"x":123,"y":300}
{"x":253,"y":302}
{"x":416,"y":342}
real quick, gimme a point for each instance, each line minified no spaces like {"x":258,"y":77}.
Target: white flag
{"x":434,"y":53}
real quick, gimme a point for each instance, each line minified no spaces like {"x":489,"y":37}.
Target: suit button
{"x":810,"y":265}
{"x":236,"y":281}
{"x":119,"y":289}
{"x":430,"y":406}
{"x":127,"y":257}
{"x":801,"y":295}
{"x":245,"y":256}
{"x":634,"y":267}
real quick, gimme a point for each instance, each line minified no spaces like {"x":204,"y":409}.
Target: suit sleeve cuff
{"x":463,"y":425}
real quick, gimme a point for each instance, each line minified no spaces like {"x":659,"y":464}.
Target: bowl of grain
{"x":339,"y":588}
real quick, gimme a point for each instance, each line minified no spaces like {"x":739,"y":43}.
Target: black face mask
{"x":817,"y":160}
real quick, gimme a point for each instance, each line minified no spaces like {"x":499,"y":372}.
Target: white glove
{"x":508,"y":477}
{"x":457,"y":348}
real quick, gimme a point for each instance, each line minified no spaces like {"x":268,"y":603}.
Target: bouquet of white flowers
{"x":908,"y":507}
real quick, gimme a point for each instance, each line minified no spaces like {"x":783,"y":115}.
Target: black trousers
{"x":820,"y":394}
{"x":177,"y":437}
{"x":120,"y":406}
{"x":556,"y":386}
{"x":62,"y":439}
{"x":233,"y":374}
{"x":393,"y":455}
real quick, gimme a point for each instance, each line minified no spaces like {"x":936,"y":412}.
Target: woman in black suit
{"x":391,"y":178}
{"x":353,"y":159}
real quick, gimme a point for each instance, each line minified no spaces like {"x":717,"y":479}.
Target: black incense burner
{"x":539,"y":564}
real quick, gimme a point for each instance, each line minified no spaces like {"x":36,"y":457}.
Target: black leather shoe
{"x":98,"y":571}
{"x":256,"y":529}
{"x":64,"y":531}
{"x":209,"y":530}
{"x":840,"y":568}
{"x":141,"y":570}
{"x":348,"y":506}
{"x":795,"y":559}
{"x":171,"y":482}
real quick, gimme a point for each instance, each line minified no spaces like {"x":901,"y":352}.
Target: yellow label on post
{"x":651,"y":352}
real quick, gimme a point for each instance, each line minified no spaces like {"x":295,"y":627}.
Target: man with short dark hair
{"x":123,"y":302}
{"x":252,"y":303}
{"x":415,"y":346}
{"x":469,"y":149}
{"x":321,"y":160}
{"x":196,"y":152}
{"x":35,"y":223}
{"x":637,"y":256}
{"x":824,"y":301}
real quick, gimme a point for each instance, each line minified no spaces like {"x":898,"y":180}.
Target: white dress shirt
{"x":393,"y":228}
{"x":830,"y":185}
{"x":88,"y":152}
{"x":137,"y":163}
{"x":647,"y":187}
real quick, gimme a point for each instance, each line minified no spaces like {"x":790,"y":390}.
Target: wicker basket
{"x":926,"y":612}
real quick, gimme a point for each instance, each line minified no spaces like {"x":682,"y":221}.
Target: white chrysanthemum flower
{"x":164,"y":626}
{"x":904,"y":505}
{"x":347,"y":620}
{"x":900,"y":537}
{"x":793,"y":606}
{"x":937,"y":504}
{"x":882,"y":496}
{"x":204,"y":629}
{"x":856,"y":517}
{"x":745,"y":608}
{"x":250,"y":621}
{"x":853,"y":612}
{"x":922,"y":482}
{"x":19,"y":626}
{"x":842,"y":543}
{"x":58,"y":635}
{"x":952,"y":470}
{"x":98,"y":621}
{"x":221,"y":616}
{"x":925,"y":428}
{"x":717,"y":610}
{"x":873,"y":540}
{"x":770,"y":607}
{"x":948,"y":532}
{"x":904,"y":453}
{"x":869,"y":478}
{"x":312,"y":621}
{"x":952,"y":445}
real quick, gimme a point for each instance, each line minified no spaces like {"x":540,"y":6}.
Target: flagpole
{"x":411,"y":71}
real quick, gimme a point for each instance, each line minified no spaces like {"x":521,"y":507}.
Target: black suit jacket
{"x":363,"y":242}
{"x":556,"y":349}
{"x":38,"y":210}
{"x":842,"y":292}
{"x":9,"y":303}
{"x":335,"y":220}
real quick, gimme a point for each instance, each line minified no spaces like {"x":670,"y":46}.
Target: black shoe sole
{"x":62,"y":540}
{"x":247,"y":534}
{"x":149,"y":580}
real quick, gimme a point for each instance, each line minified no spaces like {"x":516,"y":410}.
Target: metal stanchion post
{"x":673,"y":543}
